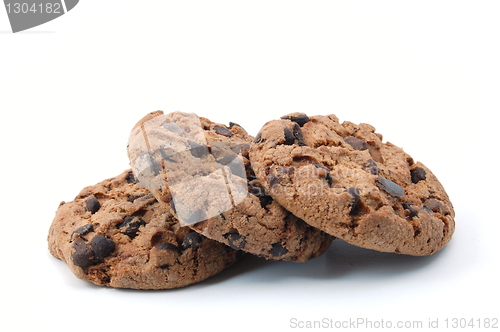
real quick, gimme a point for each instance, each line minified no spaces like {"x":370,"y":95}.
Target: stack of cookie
{"x":199,"y":194}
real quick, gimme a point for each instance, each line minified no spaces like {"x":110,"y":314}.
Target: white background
{"x":424,"y":73}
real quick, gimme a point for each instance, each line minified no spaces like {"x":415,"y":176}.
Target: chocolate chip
{"x":198,"y":150}
{"x":84,"y":230}
{"x":413,"y":211}
{"x":257,"y":191}
{"x":153,"y":166}
{"x":273,"y":180}
{"x":236,"y":241}
{"x":132,"y":224}
{"x":434,"y":205}
{"x":130,"y":178}
{"x":329,"y":179}
{"x":232,"y":124}
{"x":391,"y":187}
{"x":300,"y":119}
{"x":102,"y":247}
{"x":322,"y":167}
{"x":258,"y":138}
{"x":222,"y":153}
{"x":325,"y":174}
{"x":132,"y":198}
{"x":297,"y":132}
{"x":93,"y":205}
{"x":83,"y":255}
{"x":289,"y":137}
{"x":192,"y":240}
{"x":417,"y":174}
{"x":167,"y":246}
{"x":168,"y":154}
{"x":265,"y":200}
{"x":278,"y":250}
{"x":223,"y":131}
{"x":356,"y":143}
{"x":354,"y":192}
{"x":372,"y":167}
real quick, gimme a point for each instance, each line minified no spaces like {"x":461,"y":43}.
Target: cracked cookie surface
{"x":191,"y":164}
{"x":341,"y":178}
{"x":117,"y":234}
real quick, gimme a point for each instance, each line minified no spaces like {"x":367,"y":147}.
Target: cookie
{"x":201,"y":170}
{"x":343,"y":179}
{"x":117,"y":234}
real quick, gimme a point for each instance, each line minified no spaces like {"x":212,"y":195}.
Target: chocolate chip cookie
{"x":117,"y":234}
{"x":341,"y":178}
{"x":201,"y":170}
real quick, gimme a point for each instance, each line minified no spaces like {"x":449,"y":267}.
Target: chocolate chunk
{"x":322,"y":167}
{"x":222,"y":153}
{"x":329,"y":179}
{"x":93,"y":205}
{"x":198,"y":150}
{"x":303,"y":160}
{"x":356,"y":143}
{"x":258,"y":138}
{"x":278,"y":250}
{"x":223,"y":131}
{"x":413,"y":211}
{"x":257,"y":191}
{"x":102,"y":247}
{"x":354,"y":192}
{"x":132,"y":224}
{"x":391,"y":187}
{"x":265,"y":200}
{"x":151,"y":165}
{"x":232,"y":124}
{"x":434,"y":205}
{"x":132,"y":198}
{"x":427,"y":209}
{"x":192,"y":240}
{"x":297,"y":132}
{"x":325,"y":174}
{"x":167,"y":246}
{"x":84,"y":230}
{"x":300,"y":119}
{"x":130,"y":178}
{"x":83,"y":255}
{"x":417,"y":174}
{"x":168,"y":154}
{"x":372,"y":167}
{"x":273,"y":180}
{"x":236,"y":240}
{"x":289,"y":137}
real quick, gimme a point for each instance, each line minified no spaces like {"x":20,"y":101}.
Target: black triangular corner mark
{"x":70,"y":4}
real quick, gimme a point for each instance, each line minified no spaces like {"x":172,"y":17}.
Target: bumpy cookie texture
{"x":117,"y":234}
{"x":341,"y":178}
{"x":209,"y":183}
